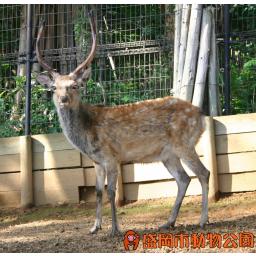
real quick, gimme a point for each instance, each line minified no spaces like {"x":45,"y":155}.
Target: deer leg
{"x":193,"y":162}
{"x":175,"y":168}
{"x":112,"y":180}
{"x":100,"y":183}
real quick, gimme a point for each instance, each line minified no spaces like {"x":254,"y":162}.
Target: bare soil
{"x":65,"y":228}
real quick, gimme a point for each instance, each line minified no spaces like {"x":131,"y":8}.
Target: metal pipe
{"x":226,"y":60}
{"x":28,"y":70}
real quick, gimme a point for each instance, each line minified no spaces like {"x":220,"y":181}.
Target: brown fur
{"x":165,"y":129}
{"x":155,"y":123}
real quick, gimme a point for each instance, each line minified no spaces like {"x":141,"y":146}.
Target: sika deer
{"x":165,"y":129}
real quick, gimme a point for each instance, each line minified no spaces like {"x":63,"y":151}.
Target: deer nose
{"x":64,"y":99}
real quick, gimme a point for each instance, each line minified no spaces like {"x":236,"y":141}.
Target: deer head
{"x":65,"y":87}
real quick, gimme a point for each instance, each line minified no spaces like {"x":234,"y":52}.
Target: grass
{"x":15,"y":216}
{"x":153,"y":207}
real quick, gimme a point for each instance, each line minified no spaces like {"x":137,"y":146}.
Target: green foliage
{"x":146,"y":81}
{"x":44,"y":116}
{"x":43,"y":112}
{"x":8,"y":27}
{"x":125,"y":92}
{"x":243,"y":17}
{"x":244,"y":88}
{"x":243,"y":58}
{"x":11,"y":120}
{"x":144,"y":23}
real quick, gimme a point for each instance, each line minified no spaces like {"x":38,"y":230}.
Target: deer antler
{"x":39,"y":55}
{"x":89,"y":59}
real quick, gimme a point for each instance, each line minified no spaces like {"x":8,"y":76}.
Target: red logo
{"x":131,"y":240}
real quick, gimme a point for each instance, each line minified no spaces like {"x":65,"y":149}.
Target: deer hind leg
{"x":192,"y":160}
{"x":112,"y":174}
{"x":100,"y":183}
{"x":175,"y":168}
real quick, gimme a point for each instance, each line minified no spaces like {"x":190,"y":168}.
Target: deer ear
{"x":84,"y":76}
{"x":45,"y":80}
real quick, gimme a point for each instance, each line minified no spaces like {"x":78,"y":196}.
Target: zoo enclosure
{"x":133,"y":62}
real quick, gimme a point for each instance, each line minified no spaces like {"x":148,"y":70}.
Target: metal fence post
{"x":226,"y":59}
{"x":28,"y":70}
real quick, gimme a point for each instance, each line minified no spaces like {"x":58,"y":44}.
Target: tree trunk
{"x":70,"y":36}
{"x":183,"y":43}
{"x":189,"y":72}
{"x":212,"y":78}
{"x":61,"y":27}
{"x":203,"y":59}
{"x":50,"y":27}
{"x":49,"y":32}
{"x":65,"y":36}
{"x":21,"y":69}
{"x":177,"y":31}
{"x":37,"y":11}
{"x":169,"y":21}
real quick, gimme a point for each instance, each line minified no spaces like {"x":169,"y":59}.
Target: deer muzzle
{"x":63,"y":99}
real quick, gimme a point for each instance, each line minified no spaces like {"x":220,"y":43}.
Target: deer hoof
{"x":203,"y":223}
{"x":115,"y":233}
{"x":95,"y":229}
{"x":166,"y":227}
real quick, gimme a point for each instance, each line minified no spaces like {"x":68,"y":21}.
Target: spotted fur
{"x":165,"y":129}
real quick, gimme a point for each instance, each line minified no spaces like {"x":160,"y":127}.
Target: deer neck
{"x":76,"y":122}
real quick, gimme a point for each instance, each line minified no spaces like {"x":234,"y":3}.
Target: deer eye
{"x":52,"y":88}
{"x":74,"y":87}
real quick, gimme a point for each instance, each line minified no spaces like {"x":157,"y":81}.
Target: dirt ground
{"x":65,"y":228}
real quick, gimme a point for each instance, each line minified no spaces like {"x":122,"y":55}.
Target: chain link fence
{"x":242,"y":57}
{"x":133,"y":60}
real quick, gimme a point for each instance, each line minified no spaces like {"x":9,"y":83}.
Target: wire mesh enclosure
{"x":133,"y":60}
{"x":242,"y":57}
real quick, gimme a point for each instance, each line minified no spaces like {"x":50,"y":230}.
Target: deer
{"x":163,"y":129}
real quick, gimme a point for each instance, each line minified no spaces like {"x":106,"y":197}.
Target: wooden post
{"x":203,"y":59}
{"x":210,"y":158}
{"x":177,"y":30}
{"x":119,"y":189}
{"x":189,"y":72}
{"x":212,"y":78}
{"x":26,"y":178}
{"x":186,"y":8}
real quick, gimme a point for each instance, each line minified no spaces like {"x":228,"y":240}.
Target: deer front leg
{"x":100,"y":182}
{"x":112,"y":174}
